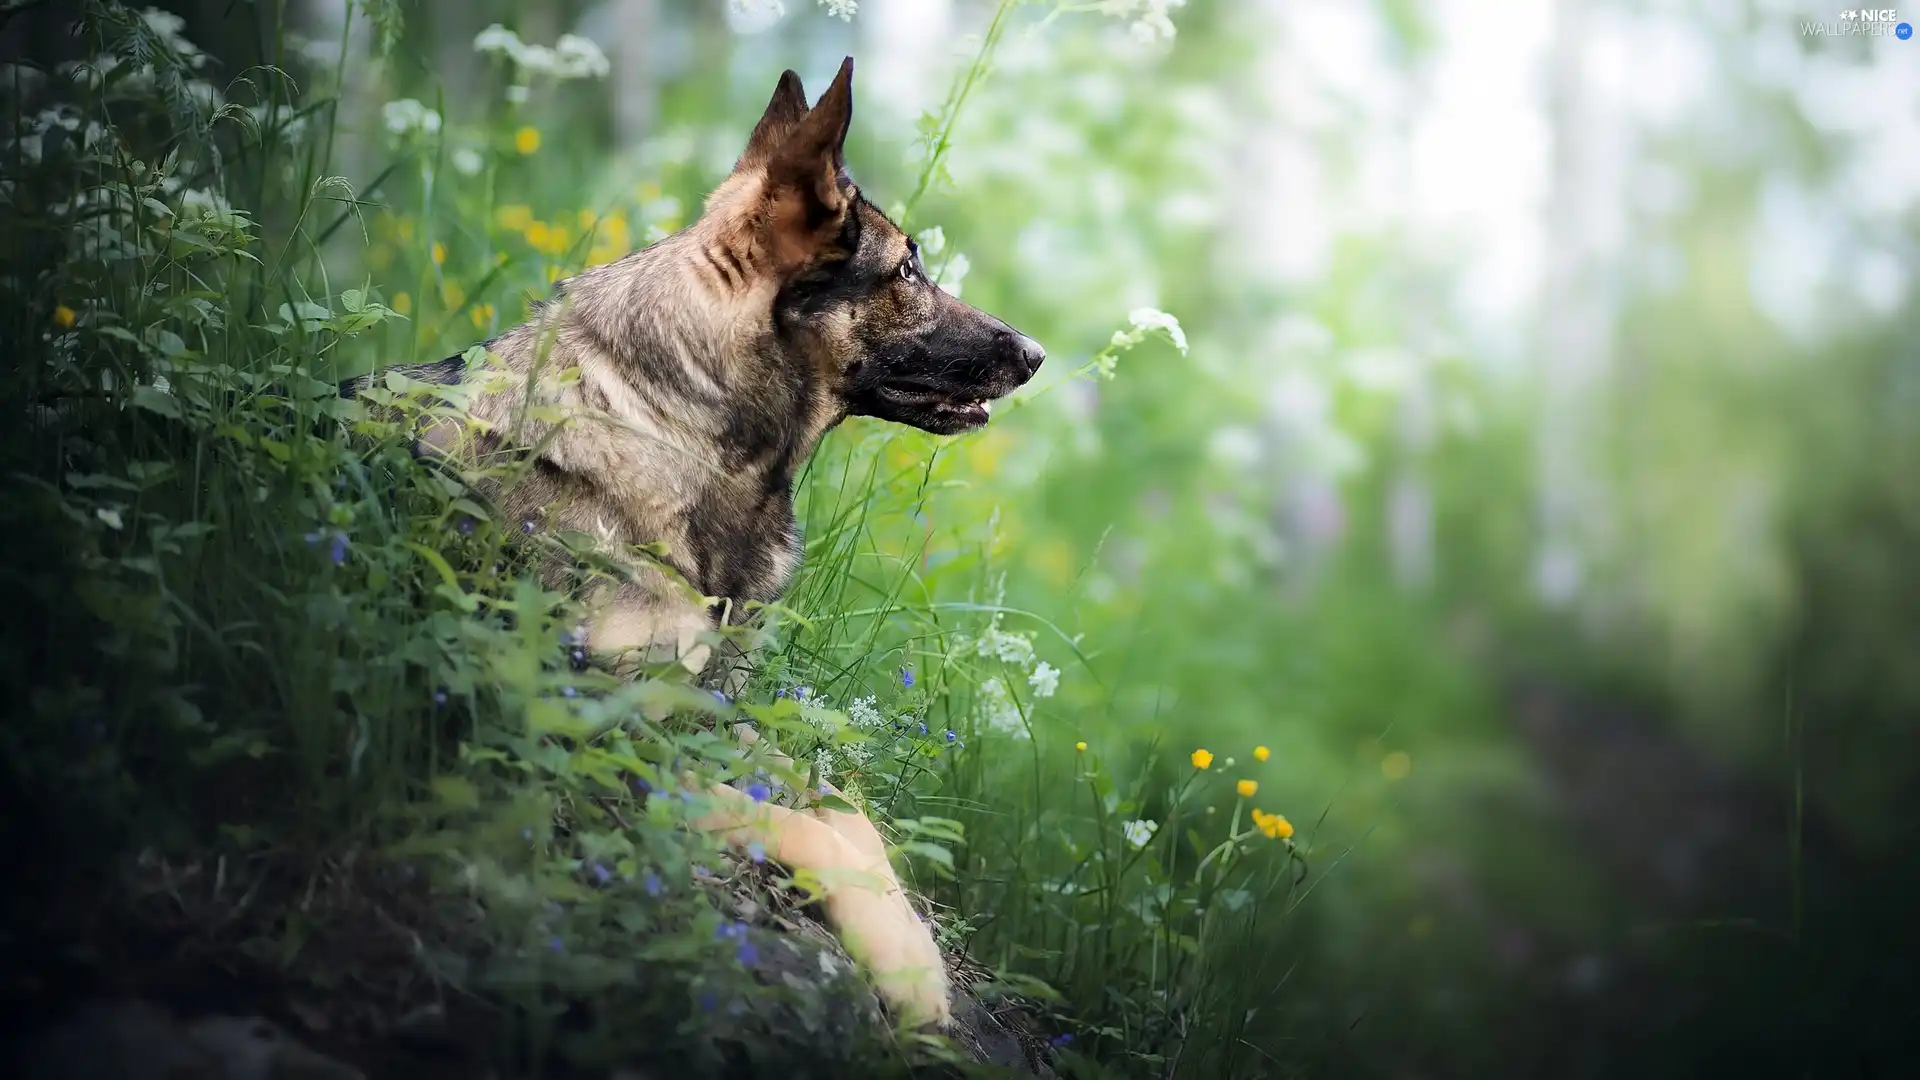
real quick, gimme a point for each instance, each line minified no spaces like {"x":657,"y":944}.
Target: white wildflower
{"x":518,"y":94}
{"x":999,"y":712}
{"x":1146,"y":320}
{"x":168,"y":26}
{"x":468,"y":162}
{"x":932,"y":241}
{"x":407,"y":116}
{"x":1044,"y":680}
{"x":1139,"y":833}
{"x":496,"y":40}
{"x":863,"y":713}
{"x":753,"y":16}
{"x":576,"y":57}
{"x":1001,"y":645}
{"x":539,"y":59}
{"x":841,"y":9}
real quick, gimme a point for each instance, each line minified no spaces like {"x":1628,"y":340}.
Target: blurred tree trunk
{"x":1574,"y":334}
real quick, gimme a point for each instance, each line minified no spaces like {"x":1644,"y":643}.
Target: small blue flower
{"x":339,"y":551}
{"x":923,"y":728}
{"x":568,"y":691}
{"x":906,"y":678}
{"x":951,"y":736}
{"x":640,"y":786}
{"x":653,"y":884}
{"x":730,"y":931}
{"x":527,"y":527}
{"x":464,"y":525}
{"x":440,"y":697}
{"x":722,"y":698}
{"x":527,"y":834}
{"x":556,"y":944}
{"x":602,"y":874}
{"x":578,"y":655}
{"x":1061,"y":1039}
{"x":312,"y":538}
{"x":708,"y":1002}
{"x":758,"y":791}
{"x":747,"y":954}
{"x":757,"y":852}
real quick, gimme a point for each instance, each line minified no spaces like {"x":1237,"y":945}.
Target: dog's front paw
{"x":886,"y":936}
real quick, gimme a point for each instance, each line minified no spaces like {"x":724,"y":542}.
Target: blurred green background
{"x":1538,"y":483}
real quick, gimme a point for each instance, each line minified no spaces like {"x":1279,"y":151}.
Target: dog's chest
{"x":744,"y":539}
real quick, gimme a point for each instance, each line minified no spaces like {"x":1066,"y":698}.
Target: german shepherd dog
{"x":693,"y":379}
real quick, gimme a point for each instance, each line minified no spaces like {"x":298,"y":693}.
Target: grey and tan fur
{"x":692,"y":380}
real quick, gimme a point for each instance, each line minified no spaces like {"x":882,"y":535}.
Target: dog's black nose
{"x":1028,"y":351}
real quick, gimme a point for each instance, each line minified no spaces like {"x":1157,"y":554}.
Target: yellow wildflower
{"x":1246,"y":788}
{"x":527,"y":140}
{"x":514,"y":216}
{"x":482,"y":315}
{"x":1080,"y":746}
{"x":402,"y":304}
{"x":1261,"y":753}
{"x":588,"y":219}
{"x":1202,"y":759}
{"x":439,"y":253}
{"x":1397,"y":765}
{"x":63,"y":316}
{"x":453,"y":294}
{"x":1274,"y":826}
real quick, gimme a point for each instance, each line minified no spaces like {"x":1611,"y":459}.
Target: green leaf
{"x":457,"y":792}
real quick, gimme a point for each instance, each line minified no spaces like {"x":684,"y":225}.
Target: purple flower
{"x":556,"y":944}
{"x":923,"y":728}
{"x":640,"y":786}
{"x":440,"y":697}
{"x":602,"y":874}
{"x":758,"y":791}
{"x":1061,"y":1039}
{"x":906,"y":678}
{"x":722,"y":698}
{"x":527,"y":527}
{"x":951,"y":736}
{"x":464,"y":524}
{"x":568,"y":691}
{"x":652,"y":884}
{"x":757,"y":852}
{"x":339,"y":551}
{"x":730,"y":931}
{"x":747,"y":954}
{"x":708,"y":1002}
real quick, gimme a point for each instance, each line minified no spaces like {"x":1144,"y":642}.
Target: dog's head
{"x":854,"y":302}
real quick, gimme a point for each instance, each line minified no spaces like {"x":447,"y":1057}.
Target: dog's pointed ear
{"x":803,"y":175}
{"x":784,"y":112}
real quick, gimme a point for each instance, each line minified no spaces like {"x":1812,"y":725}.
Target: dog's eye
{"x":907,"y":272}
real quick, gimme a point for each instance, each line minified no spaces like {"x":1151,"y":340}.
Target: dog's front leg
{"x":648,"y":621}
{"x":871,"y":913}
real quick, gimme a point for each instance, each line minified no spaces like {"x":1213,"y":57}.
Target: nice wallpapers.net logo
{"x":1861,"y":22}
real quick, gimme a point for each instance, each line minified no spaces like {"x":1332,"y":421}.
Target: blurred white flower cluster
{"x":571,"y":57}
{"x":407,"y":116}
{"x":949,"y":268}
{"x":1141,"y":321}
{"x":753,"y":16}
{"x":1151,"y":24}
{"x":999,"y":711}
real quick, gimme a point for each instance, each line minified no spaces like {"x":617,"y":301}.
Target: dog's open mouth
{"x":967,"y":408}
